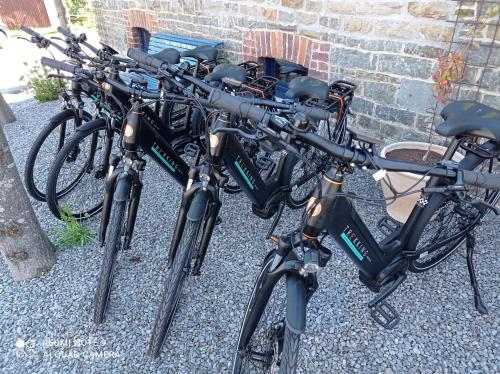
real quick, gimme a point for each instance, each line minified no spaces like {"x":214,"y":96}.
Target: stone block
{"x":416,"y":96}
{"x":314,"y":5}
{"x":391,"y":131}
{"x":296,"y":4}
{"x":408,"y":66}
{"x":352,"y":24}
{"x":360,"y":105}
{"x":491,"y":100}
{"x":352,"y":58}
{"x":435,"y":9}
{"x":394,"y":115}
{"x":423,"y":51}
{"x":368,"y":123}
{"x":268,"y":14}
{"x":382,"y":93}
{"x":491,"y":80}
{"x":380,"y":45}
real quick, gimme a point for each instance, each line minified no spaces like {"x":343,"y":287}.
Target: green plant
{"x":45,"y":88}
{"x":73,"y":233}
{"x":76,"y":7}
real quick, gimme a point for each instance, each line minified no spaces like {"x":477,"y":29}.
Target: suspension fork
{"x":109,"y":192}
{"x":187,"y":197}
{"x":208,"y":229}
{"x":134,"y":203}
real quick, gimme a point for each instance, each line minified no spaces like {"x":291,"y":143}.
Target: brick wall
{"x":388,"y":47}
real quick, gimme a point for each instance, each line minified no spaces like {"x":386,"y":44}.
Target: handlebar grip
{"x":236,"y":105}
{"x":66,"y":32}
{"x":144,"y":58}
{"x":29,"y":31}
{"x":58,"y":65}
{"x":317,"y":114}
{"x":488,"y":181}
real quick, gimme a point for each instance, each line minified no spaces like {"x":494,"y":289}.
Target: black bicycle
{"x":201,"y":202}
{"x":455,"y":200}
{"x":61,"y":126}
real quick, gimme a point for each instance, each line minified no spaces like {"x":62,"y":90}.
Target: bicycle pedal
{"x":385,"y":315}
{"x":218,"y":221}
{"x":388,"y":225}
{"x":191,"y":150}
{"x":264,"y":163}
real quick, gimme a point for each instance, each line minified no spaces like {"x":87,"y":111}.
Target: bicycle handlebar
{"x":144,"y":58}
{"x":66,"y":32}
{"x":31,"y":32}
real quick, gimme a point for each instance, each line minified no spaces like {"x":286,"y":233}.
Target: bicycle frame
{"x":382,"y":265}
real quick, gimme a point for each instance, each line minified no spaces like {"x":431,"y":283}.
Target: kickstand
{"x":470,"y":242}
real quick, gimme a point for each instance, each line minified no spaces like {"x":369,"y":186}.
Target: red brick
{"x":279,"y":45}
{"x":325,"y":47}
{"x":318,"y":75}
{"x":323,"y":66}
{"x":274,"y":49}
{"x":320,"y":56}
{"x":262,"y":43}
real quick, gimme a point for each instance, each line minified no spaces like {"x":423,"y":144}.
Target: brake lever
{"x":258,"y":135}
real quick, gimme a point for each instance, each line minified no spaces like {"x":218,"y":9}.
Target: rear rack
{"x":263,"y":87}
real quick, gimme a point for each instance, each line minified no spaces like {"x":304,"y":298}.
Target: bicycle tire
{"x":288,"y":351}
{"x":173,"y":286}
{"x":438,"y":229}
{"x":29,"y":169}
{"x":292,"y":165}
{"x":52,"y":196}
{"x":111,"y":249}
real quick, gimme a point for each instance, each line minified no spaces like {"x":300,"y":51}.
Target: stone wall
{"x":388,"y":47}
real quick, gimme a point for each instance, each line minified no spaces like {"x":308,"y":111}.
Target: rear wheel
{"x":271,"y":347}
{"x":45,"y":148}
{"x":173,"y":286}
{"x":445,"y":222}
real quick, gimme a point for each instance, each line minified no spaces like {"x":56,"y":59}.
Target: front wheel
{"x":111,"y":249}
{"x":266,"y":344}
{"x":76,"y":180}
{"x":45,"y":148}
{"x":173,"y":286}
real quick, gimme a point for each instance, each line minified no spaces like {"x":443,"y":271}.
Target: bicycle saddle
{"x":292,"y":68}
{"x":168,"y":55}
{"x":203,"y":52}
{"x":235,"y":72}
{"x":307,"y":87}
{"x":470,"y":118}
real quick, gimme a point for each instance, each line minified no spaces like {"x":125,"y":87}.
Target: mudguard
{"x":198,"y":205}
{"x":122,"y":189}
{"x":296,"y":303}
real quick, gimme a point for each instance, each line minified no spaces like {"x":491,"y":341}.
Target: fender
{"x":198,"y":205}
{"x":93,"y":125}
{"x":122,"y":189}
{"x":296,"y":302}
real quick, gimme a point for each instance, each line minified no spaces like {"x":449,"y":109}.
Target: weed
{"x":73,"y":233}
{"x":45,"y":88}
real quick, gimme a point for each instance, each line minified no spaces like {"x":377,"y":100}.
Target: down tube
{"x":351,"y":234}
{"x":243,"y":170}
{"x":164,"y":154}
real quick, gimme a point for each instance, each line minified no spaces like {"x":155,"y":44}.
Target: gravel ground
{"x":440,"y":330}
